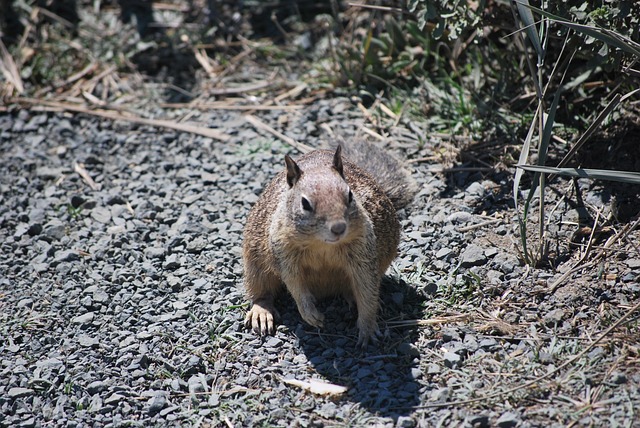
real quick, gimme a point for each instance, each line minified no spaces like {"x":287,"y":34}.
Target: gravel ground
{"x":123,"y":305}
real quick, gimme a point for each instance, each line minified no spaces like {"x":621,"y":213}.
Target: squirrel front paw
{"x":309,"y":312}
{"x":261,"y":318}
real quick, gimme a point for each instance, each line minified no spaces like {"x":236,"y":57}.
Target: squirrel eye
{"x":306,"y":205}
{"x":350,"y":196}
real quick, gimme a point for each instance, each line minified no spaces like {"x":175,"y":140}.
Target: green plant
{"x":450,"y":19}
{"x":74,"y":212}
{"x":541,"y":128}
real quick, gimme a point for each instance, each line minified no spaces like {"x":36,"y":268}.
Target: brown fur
{"x":329,"y":244}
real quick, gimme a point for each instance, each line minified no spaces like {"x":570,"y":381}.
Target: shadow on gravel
{"x":382,"y":378}
{"x":616,"y":149}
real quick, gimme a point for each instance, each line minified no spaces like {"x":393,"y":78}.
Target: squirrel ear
{"x":293,"y":171}
{"x":337,"y":160}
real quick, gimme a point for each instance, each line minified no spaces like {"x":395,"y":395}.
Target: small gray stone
{"x":406,"y":348}
{"x":273,"y":342}
{"x":433,"y":369}
{"x":490,"y":252}
{"x":443,"y":253}
{"x":180,"y":305}
{"x":96,"y":404}
{"x":196,"y":385}
{"x":84,"y":318}
{"x":19,"y":392}
{"x":480,"y":421}
{"x":328,"y":410}
{"x":196,"y":245}
{"x":450,"y":334}
{"x":431,"y":288}
{"x":101,"y":215}
{"x":156,"y":404}
{"x":488,"y":344}
{"x":96,"y":387}
{"x":154,"y":252}
{"x":77,"y":201}
{"x":475,"y":191}
{"x":452,"y":360}
{"x":50,"y":363}
{"x":460,"y":217}
{"x":405,"y":422}
{"x":416,"y":373}
{"x":66,"y":256}
{"x":507,"y":420}
{"x":100,"y":296}
{"x":113,"y":399}
{"x":618,"y":378}
{"x":49,"y":172}
{"x":633,"y":263}
{"x":21,"y":229}
{"x":55,"y":230}
{"x":171,"y":262}
{"x":87,"y":341}
{"x":168,"y":410}
{"x":35,"y":229}
{"x":473,"y":255}
{"x":25,"y":303}
{"x":440,"y":395}
{"x":200,"y":282}
{"x":554,"y":317}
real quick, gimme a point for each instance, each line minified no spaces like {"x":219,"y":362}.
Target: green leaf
{"x":592,"y":174}
{"x":602,"y":34}
{"x":530,"y":27}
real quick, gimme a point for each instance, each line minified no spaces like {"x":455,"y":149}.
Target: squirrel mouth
{"x":333,"y":239}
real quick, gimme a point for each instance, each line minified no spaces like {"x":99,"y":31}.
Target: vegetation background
{"x":480,"y":72}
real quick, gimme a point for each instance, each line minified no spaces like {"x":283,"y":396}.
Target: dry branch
{"x":227,"y":106}
{"x":9,"y":69}
{"x":79,"y":168}
{"x":263,"y":126}
{"x":107,"y":114}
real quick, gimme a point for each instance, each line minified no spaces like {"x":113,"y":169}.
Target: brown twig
{"x":240,"y":89}
{"x":106,"y":114}
{"x":79,"y":168}
{"x":461,"y":169}
{"x":77,"y":76}
{"x":263,"y":126}
{"x":9,"y":69}
{"x":430,"y":321}
{"x":226,"y":106}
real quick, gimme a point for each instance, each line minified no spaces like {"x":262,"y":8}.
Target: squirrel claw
{"x":261,"y":320}
{"x":315,"y":318}
{"x":366,"y":337}
{"x":309,"y":312}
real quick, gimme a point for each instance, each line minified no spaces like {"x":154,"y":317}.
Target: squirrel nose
{"x":338,"y":227}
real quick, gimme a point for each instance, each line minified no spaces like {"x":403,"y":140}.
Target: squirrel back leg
{"x":261,"y":288}
{"x":305,"y":300}
{"x":366,"y":290}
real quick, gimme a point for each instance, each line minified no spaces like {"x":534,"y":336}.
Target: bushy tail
{"x":389,"y":172}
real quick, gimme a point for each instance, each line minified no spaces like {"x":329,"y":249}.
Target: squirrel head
{"x":320,"y":203}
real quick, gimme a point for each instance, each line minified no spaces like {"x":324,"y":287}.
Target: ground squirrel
{"x":324,"y":226}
